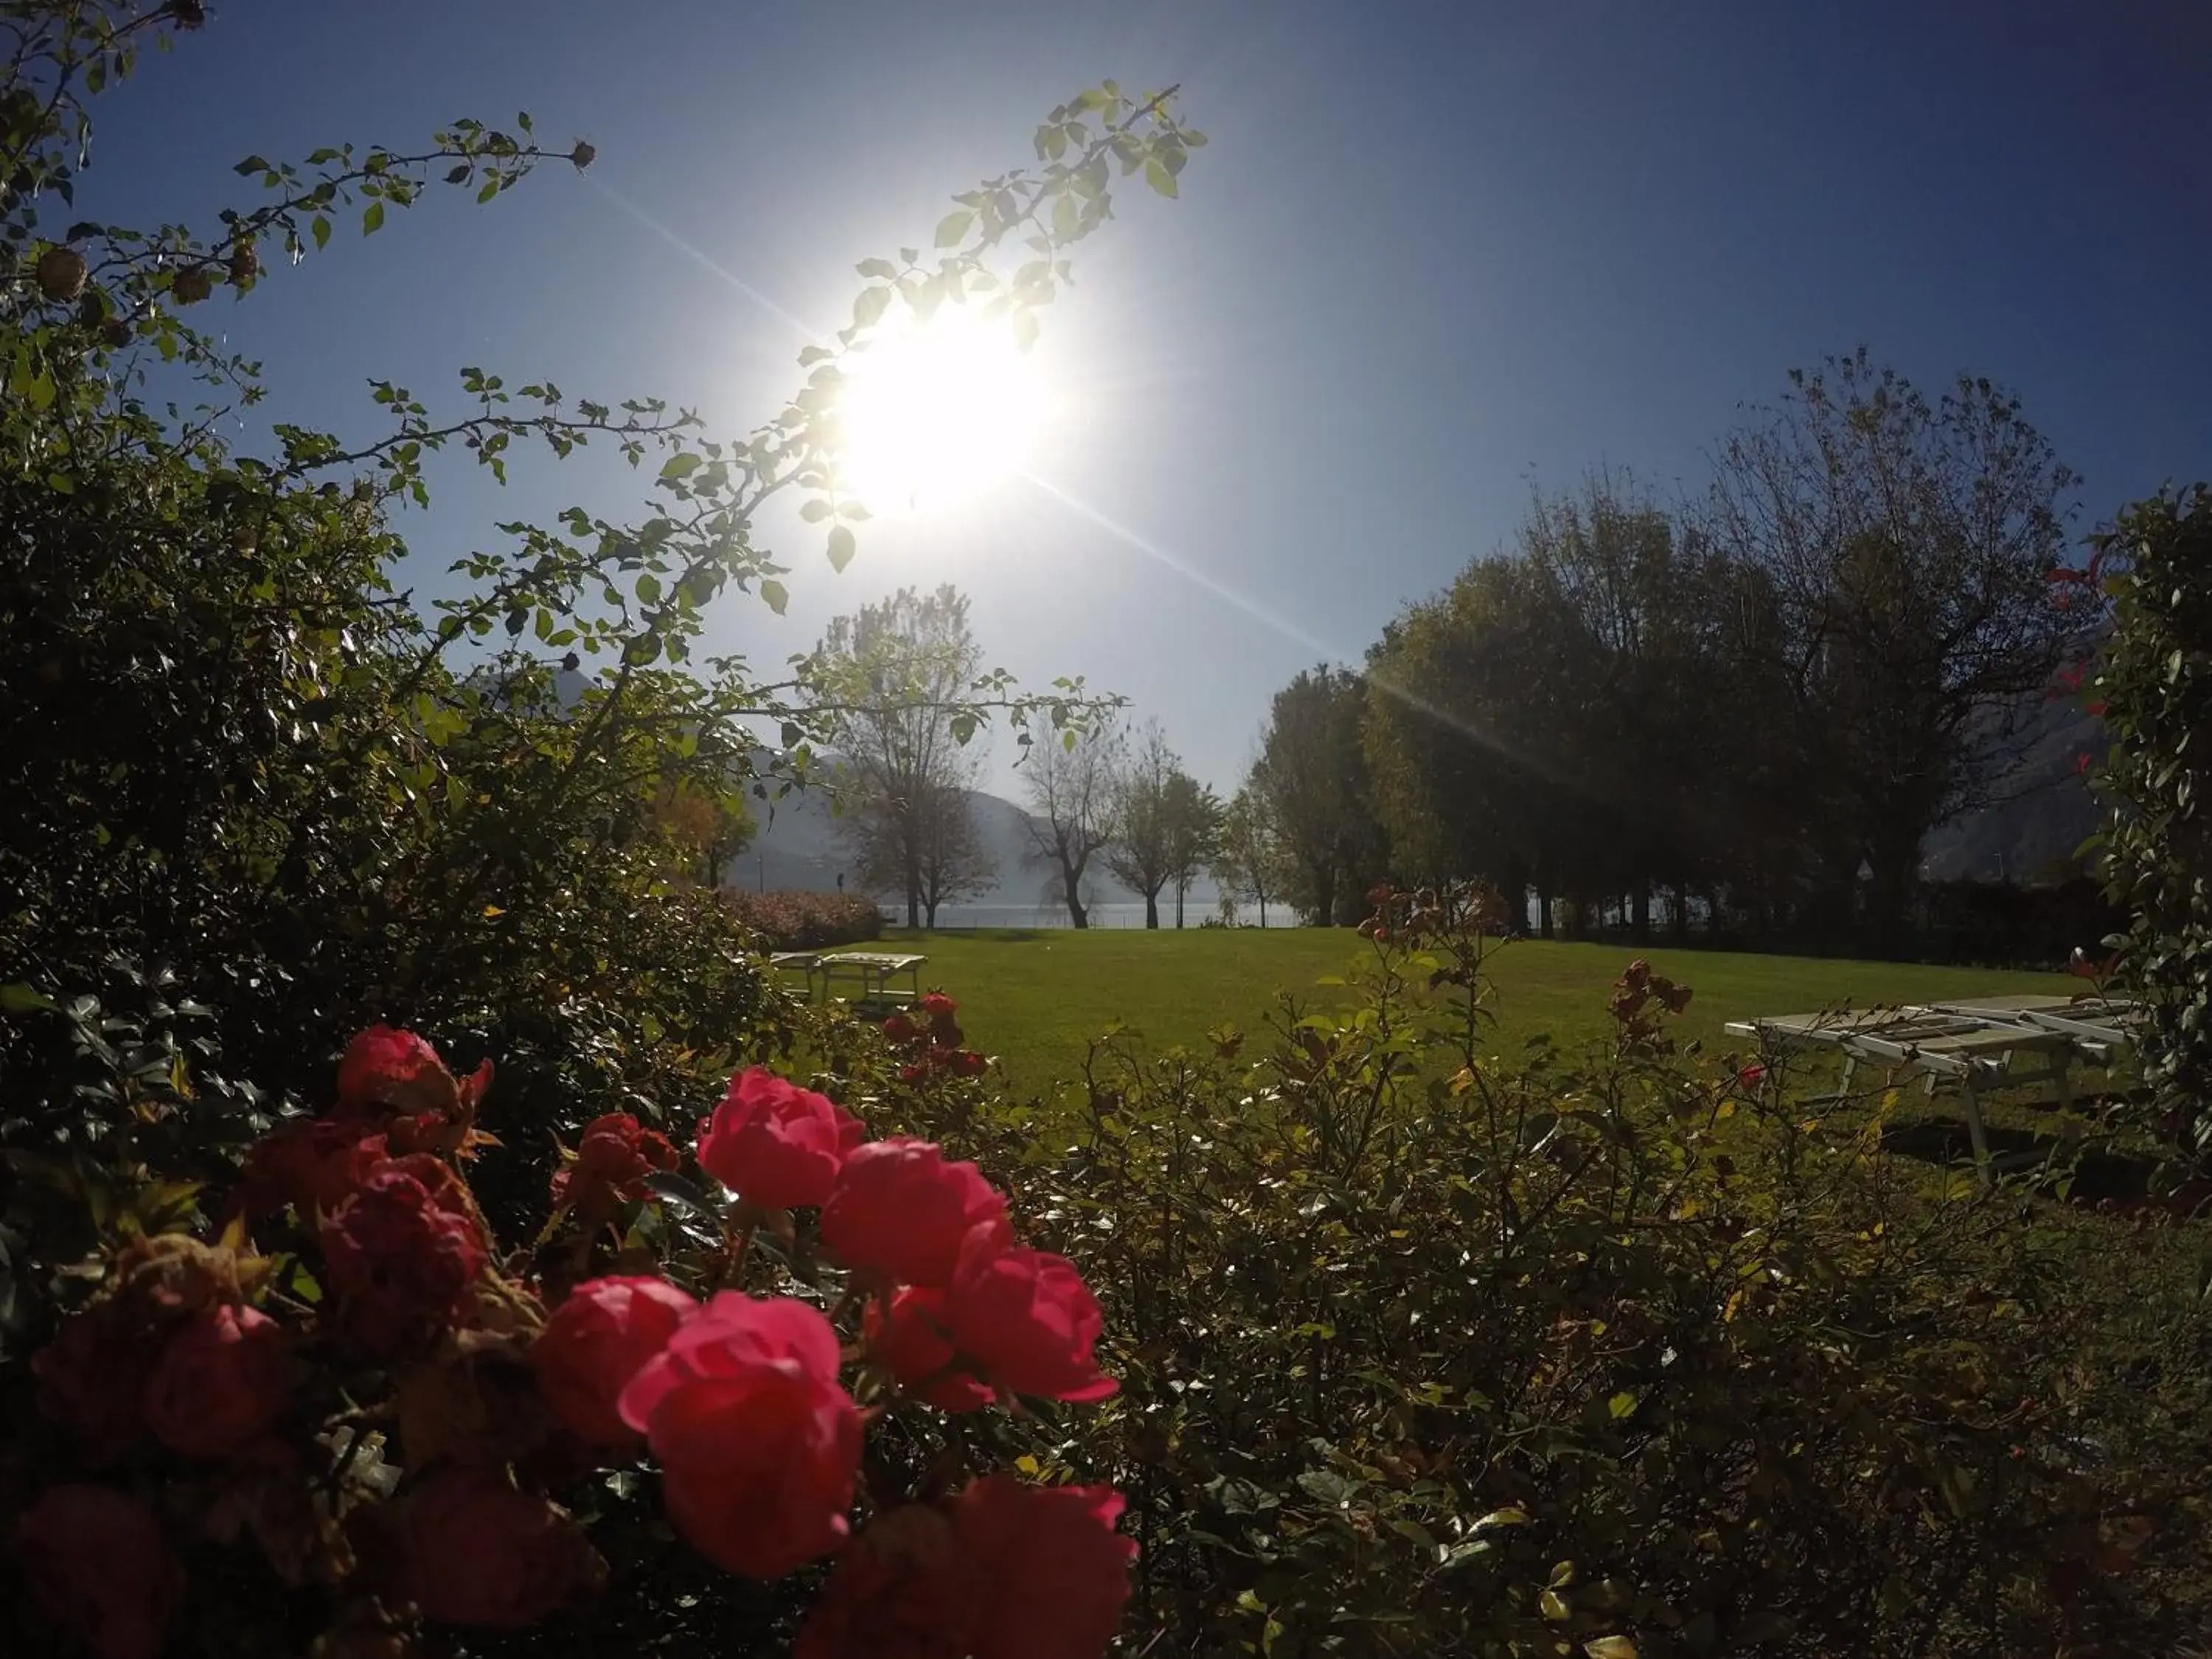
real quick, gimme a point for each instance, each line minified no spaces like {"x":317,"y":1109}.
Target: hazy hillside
{"x":2044,"y":811}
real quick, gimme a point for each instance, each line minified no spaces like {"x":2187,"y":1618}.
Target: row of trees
{"x":1758,"y":699}
{"x":887,"y":683}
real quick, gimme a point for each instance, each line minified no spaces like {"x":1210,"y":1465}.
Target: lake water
{"x":1102,"y":915}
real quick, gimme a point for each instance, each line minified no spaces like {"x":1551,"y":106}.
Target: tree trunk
{"x":1544,"y":912}
{"x":1642,"y":902}
{"x":929,"y":913}
{"x":1071,"y":889}
{"x":1678,"y":913}
{"x":1152,"y":910}
{"x":1263,"y":910}
{"x":1179,"y":892}
{"x":913,"y":907}
{"x":1324,"y":878}
{"x":1893,"y":861}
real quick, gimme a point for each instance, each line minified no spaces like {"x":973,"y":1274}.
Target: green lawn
{"x":1033,"y":998}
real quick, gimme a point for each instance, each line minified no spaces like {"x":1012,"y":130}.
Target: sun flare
{"x":935,"y":412}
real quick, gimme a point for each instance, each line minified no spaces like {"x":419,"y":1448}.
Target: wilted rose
{"x":478,"y":1551}
{"x":99,"y":1568}
{"x":613,"y":1159}
{"x":221,"y":1382}
{"x":403,"y":1250}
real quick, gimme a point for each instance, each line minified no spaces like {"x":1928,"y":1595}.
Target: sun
{"x":934,"y":411}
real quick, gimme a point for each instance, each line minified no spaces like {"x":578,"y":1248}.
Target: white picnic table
{"x":1971,"y":1045}
{"x":873,"y":970}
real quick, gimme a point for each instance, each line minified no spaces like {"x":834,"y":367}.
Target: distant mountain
{"x":800,"y":847}
{"x":2043,"y":808}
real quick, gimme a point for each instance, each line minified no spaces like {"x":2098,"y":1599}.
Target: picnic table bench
{"x":801,"y":961}
{"x":1970,"y":1045}
{"x":873,"y":971}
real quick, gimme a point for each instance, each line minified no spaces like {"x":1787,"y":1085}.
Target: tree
{"x":1908,"y":544}
{"x":1140,"y":818}
{"x":1071,"y":787}
{"x":1251,"y":853}
{"x":1194,"y":819}
{"x":955,"y":863}
{"x":1316,"y":778}
{"x":887,"y":680}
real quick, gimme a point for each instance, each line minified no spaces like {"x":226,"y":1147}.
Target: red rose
{"x":899,"y":1028}
{"x":1027,"y":1318}
{"x":901,"y":1590}
{"x":478,"y":1551}
{"x":938,"y":1006}
{"x":402,"y":1249}
{"x":100,"y":1568}
{"x":899,"y":1209}
{"x":1054,"y":1573}
{"x":776,"y":1143}
{"x":92,"y":1380}
{"x":221,"y":1382}
{"x":385,"y":1067}
{"x":311,"y":1165}
{"x":758,"y":1444}
{"x":614,"y":1155}
{"x":596,"y":1341}
{"x":968,"y":1063}
{"x":914,"y":1343}
{"x":1752,"y":1075}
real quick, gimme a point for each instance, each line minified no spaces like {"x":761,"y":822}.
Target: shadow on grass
{"x":2098,"y":1177}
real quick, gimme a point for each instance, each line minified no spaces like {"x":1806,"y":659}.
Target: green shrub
{"x":2154,"y":680}
{"x":1424,"y":1352}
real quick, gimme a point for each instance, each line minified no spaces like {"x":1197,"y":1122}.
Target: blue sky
{"x":1433,"y":253}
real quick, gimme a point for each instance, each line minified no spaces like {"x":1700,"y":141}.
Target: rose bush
{"x":381,"y":1403}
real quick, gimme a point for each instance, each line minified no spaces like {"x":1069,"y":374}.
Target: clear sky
{"x":1433,"y":252}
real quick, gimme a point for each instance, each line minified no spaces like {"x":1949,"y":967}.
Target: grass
{"x":1034,"y":998}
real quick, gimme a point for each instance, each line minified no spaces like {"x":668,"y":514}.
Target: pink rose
{"x":758,"y":1444}
{"x":900,"y":1591}
{"x":99,"y":1568}
{"x":1026,"y":1318}
{"x":1054,"y":1573}
{"x":914,"y":1343}
{"x":221,"y":1382}
{"x":596,"y":1341}
{"x":403,"y":1250}
{"x":900,"y":1210}
{"x":775,"y":1143}
{"x":92,"y":1380}
{"x":478,"y":1551}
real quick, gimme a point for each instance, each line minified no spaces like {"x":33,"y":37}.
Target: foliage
{"x":2154,"y":678}
{"x":1313,"y":776}
{"x":887,"y":682}
{"x":804,"y":922}
{"x":1424,"y":1352}
{"x":362,"y":1416}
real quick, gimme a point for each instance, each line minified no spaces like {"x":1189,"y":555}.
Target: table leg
{"x":1975,"y":1132}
